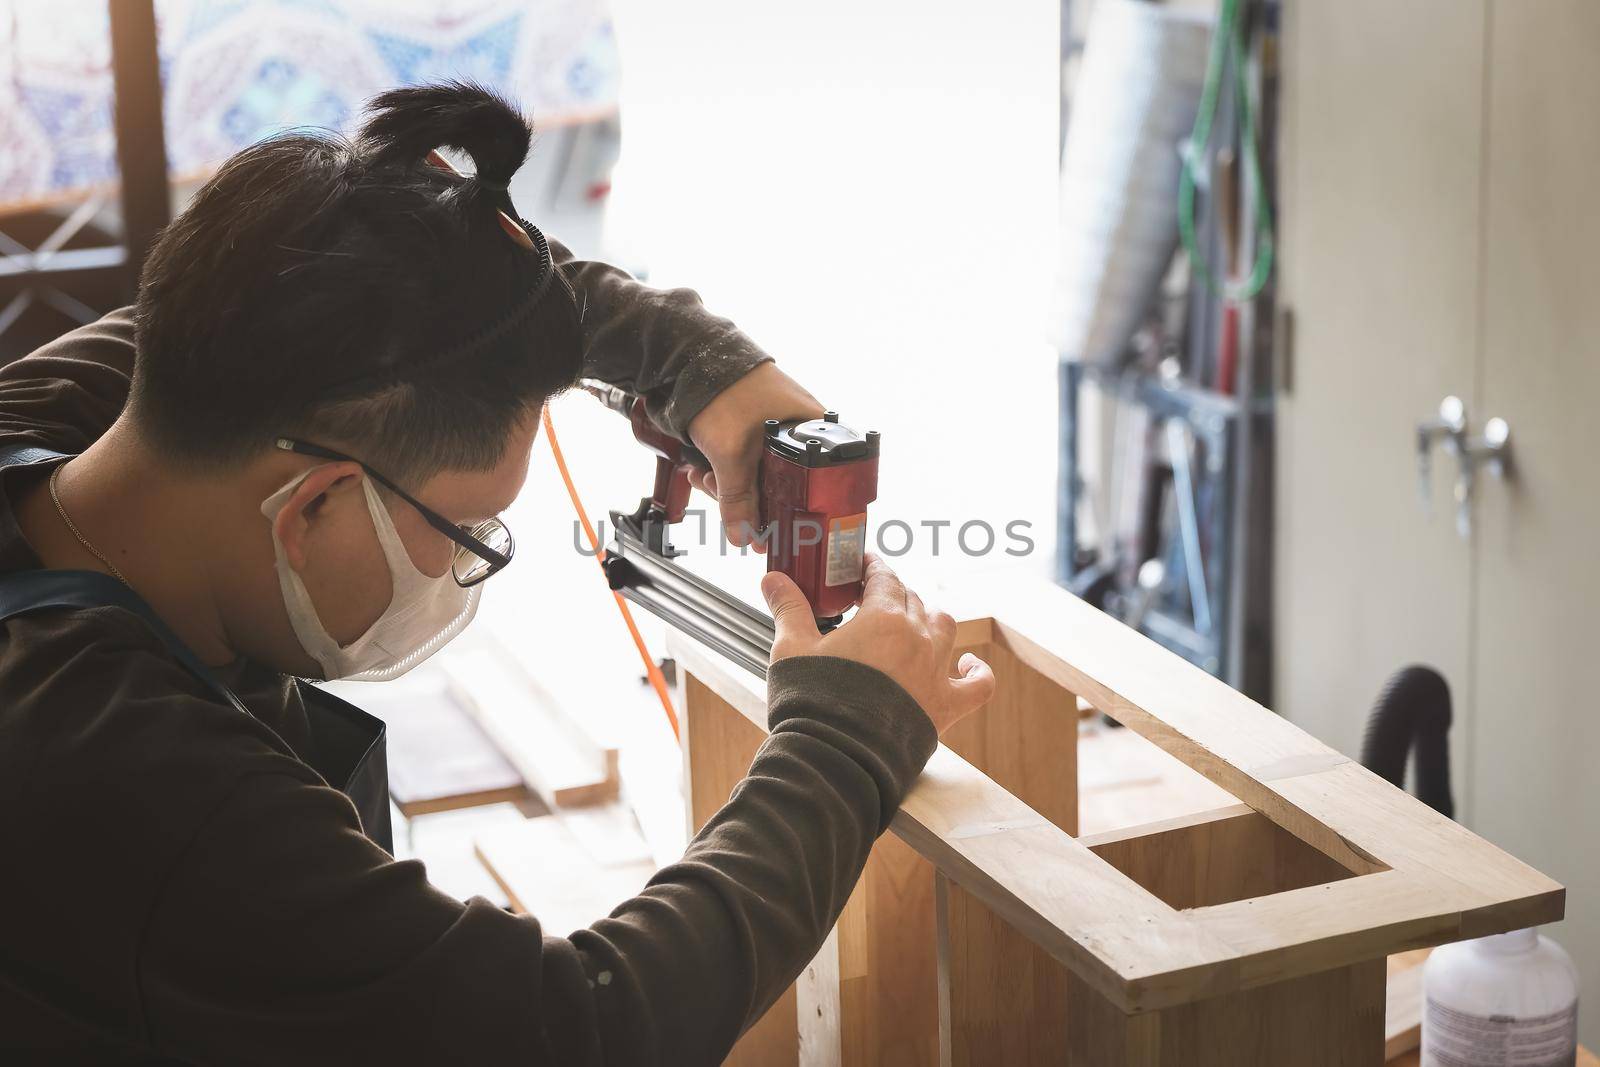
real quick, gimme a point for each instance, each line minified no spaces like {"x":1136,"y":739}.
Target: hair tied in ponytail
{"x":407,"y":126}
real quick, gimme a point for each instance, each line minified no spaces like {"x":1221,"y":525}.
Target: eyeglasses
{"x":481,"y":550}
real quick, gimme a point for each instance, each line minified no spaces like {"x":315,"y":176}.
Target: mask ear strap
{"x":394,"y":549}
{"x":302,"y":611}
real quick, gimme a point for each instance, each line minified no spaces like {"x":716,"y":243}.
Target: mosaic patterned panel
{"x":234,"y":71}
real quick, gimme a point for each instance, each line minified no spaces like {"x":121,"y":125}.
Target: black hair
{"x":352,"y":293}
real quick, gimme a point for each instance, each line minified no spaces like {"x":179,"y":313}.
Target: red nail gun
{"x":817,"y":478}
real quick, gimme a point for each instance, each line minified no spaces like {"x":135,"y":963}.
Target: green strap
{"x":1229,"y":36}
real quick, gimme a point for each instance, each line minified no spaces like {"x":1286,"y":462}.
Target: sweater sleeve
{"x":64,"y":395}
{"x":660,"y":343}
{"x":284,"y":935}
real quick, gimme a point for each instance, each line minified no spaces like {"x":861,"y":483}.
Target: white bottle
{"x":1500,"y":1001}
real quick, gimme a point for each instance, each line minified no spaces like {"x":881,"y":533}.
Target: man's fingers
{"x":794,"y":626}
{"x":972,"y":687}
{"x":883,"y":589}
{"x":739,"y":512}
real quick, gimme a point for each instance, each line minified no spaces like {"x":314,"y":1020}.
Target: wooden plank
{"x":886,"y":944}
{"x":1487,"y":890}
{"x":817,"y":1010}
{"x":1124,"y":780}
{"x":1063,"y":897}
{"x":563,"y":765}
{"x":1099,"y":1034}
{"x":1003,"y":999}
{"x":1332,"y":1019}
{"x":439,"y":758}
{"x":888,"y":970}
{"x":568,"y":871}
{"x":941,"y":911}
{"x":720,"y":743}
{"x":1025,"y":739}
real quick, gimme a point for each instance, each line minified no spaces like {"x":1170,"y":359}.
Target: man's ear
{"x":294,"y":522}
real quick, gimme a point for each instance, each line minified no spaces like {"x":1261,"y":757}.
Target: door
{"x":1379,"y":207}
{"x":1441,"y":237}
{"x":1535,"y":747}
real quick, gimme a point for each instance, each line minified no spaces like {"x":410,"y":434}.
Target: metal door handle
{"x":1450,"y":425}
{"x":1490,"y":451}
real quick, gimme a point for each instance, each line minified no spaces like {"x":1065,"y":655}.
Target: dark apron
{"x":347,"y":744}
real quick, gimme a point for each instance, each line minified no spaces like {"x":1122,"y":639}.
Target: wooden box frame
{"x":984,"y":932}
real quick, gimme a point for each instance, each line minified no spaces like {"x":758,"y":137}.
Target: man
{"x":287,"y":460}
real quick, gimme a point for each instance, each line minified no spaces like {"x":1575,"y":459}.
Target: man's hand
{"x":729,"y":431}
{"x":892,"y":632}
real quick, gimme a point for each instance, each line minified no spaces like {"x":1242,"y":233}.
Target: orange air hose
{"x":653,"y":672}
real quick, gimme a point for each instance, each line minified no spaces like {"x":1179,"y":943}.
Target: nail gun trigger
{"x":694,"y":458}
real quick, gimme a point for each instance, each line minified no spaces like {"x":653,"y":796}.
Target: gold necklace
{"x":82,"y":540}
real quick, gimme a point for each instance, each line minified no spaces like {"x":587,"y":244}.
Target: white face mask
{"x":423,"y":615}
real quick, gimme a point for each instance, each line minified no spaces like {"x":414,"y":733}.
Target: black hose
{"x":1413,"y":712}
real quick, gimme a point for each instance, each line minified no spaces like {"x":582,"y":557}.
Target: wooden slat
{"x":719,"y":745}
{"x":1003,"y":999}
{"x":439,"y":758}
{"x":553,"y":755}
{"x":1124,"y":779}
{"x":821,"y":1040}
{"x":1332,"y":1019}
{"x":1491,"y":890}
{"x":1098,"y":1032}
{"x":568,"y":870}
{"x":1026,"y":738}
{"x":889,"y":985}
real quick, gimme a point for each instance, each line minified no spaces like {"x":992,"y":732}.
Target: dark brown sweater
{"x":179,"y":886}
